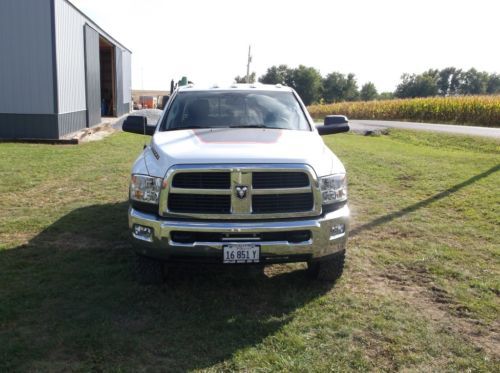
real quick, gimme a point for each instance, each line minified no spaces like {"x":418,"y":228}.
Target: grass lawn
{"x":420,"y":290}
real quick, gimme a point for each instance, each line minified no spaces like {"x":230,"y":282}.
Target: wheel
{"x":329,"y":269}
{"x":149,"y":271}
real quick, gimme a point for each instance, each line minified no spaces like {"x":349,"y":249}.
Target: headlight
{"x":333,"y":188}
{"x":145,"y":189}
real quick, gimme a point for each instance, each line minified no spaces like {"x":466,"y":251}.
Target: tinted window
{"x":235,"y":109}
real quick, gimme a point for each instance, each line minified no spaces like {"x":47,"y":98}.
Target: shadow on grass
{"x":69,"y":301}
{"x":409,"y":209}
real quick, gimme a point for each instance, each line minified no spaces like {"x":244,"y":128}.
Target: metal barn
{"x":59,"y":71}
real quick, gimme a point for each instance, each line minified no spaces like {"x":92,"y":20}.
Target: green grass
{"x":420,"y":290}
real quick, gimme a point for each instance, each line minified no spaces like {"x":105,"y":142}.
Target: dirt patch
{"x":96,"y":133}
{"x":418,"y":290}
{"x":375,"y":132}
{"x":91,"y":134}
{"x":406,"y":181}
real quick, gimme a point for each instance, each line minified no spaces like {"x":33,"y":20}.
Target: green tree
{"x":333,"y":87}
{"x":281,"y":74}
{"x":351,"y":88}
{"x":422,"y":85}
{"x":337,"y":87}
{"x":243,"y":79}
{"x":474,"y":82}
{"x":368,"y":92}
{"x":449,"y":81}
{"x":406,"y":88}
{"x":386,"y":96}
{"x":493,"y":84}
{"x":307,"y":82}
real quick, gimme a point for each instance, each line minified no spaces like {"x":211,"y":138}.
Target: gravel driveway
{"x":363,"y":126}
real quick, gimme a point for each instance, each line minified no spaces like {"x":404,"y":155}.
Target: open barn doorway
{"x":108,"y":76}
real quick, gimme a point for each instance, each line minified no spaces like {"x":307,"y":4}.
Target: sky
{"x":377,"y":40}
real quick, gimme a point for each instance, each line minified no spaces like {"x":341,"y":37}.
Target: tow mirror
{"x":138,"y":124}
{"x":333,"y":124}
{"x":164,"y":102}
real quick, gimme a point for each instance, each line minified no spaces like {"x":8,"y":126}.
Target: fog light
{"x":143,"y":233}
{"x":338,"y":229}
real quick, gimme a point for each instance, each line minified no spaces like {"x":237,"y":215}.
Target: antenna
{"x":248,"y":64}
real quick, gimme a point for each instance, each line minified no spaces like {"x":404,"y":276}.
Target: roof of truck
{"x":236,"y":87}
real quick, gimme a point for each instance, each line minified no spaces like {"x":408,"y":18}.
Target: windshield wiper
{"x":250,"y":126}
{"x":260,"y":126}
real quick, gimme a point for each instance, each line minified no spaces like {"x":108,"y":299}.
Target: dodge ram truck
{"x":238,"y":175}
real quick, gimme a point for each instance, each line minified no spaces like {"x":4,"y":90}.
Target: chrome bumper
{"x":322,"y":242}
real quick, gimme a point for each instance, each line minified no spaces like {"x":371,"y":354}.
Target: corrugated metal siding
{"x":26,"y":75}
{"x":28,"y":126}
{"x":92,"y":76}
{"x":70,"y":57}
{"x":127,"y":77}
{"x":96,"y":27}
{"x":71,"y":122}
{"x":71,"y":61}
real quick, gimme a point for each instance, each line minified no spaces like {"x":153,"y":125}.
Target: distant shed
{"x":59,"y":71}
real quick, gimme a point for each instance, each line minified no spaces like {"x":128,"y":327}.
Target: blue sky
{"x":377,"y":40}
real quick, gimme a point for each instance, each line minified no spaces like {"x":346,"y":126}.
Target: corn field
{"x":470,"y":110}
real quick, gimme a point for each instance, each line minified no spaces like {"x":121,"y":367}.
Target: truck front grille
{"x":270,"y":180}
{"x":198,"y":203}
{"x":271,"y":203}
{"x":202,"y":180}
{"x":241,"y":192}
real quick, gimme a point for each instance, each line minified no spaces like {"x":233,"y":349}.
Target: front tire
{"x":329,"y":269}
{"x":149,"y":271}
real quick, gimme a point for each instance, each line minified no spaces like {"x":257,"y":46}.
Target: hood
{"x":239,"y":145}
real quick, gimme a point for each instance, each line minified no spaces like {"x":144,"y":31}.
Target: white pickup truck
{"x":238,"y":175}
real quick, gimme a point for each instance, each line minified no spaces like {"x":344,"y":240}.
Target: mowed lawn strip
{"x":420,"y":290}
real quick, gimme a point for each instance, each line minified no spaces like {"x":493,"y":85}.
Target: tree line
{"x":337,"y":87}
{"x":448,"y":82}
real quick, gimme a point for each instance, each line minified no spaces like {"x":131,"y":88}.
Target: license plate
{"x":241,"y":253}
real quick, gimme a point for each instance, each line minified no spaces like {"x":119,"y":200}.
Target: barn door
{"x":92,"y":77}
{"x":119,"y":82}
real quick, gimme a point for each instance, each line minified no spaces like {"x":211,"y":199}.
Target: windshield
{"x":235,"y":109}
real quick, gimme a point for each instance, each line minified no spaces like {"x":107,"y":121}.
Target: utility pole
{"x":248,"y":64}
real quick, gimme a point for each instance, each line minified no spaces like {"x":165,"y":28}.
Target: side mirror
{"x":138,"y":124}
{"x":335,"y":119}
{"x":164,"y":101}
{"x":333,"y":124}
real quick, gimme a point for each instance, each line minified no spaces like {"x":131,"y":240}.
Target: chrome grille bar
{"x":281,"y":191}
{"x":200,"y":191}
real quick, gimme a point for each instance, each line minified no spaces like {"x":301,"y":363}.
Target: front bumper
{"x":325,"y":238}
